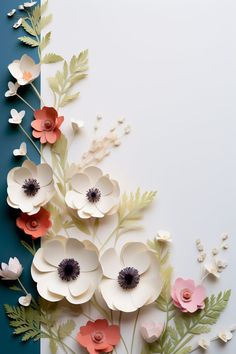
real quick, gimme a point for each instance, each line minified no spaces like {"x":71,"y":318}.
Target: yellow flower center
{"x":27,"y":75}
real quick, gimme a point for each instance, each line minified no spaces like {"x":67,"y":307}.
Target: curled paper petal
{"x":25,"y":300}
{"x":22,"y":151}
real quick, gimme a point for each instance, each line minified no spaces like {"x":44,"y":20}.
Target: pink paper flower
{"x":46,"y":125}
{"x":151,"y":331}
{"x":98,"y":336}
{"x":187,"y":296}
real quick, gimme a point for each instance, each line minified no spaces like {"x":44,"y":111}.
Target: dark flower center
{"x":128,"y":278}
{"x":31,"y":187}
{"x":48,"y":125}
{"x":68,"y":269}
{"x":93,"y":195}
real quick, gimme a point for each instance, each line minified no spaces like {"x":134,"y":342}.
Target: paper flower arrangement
{"x":66,"y":204}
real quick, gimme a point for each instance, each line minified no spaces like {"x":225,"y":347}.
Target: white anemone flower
{"x":16,"y":117}
{"x":30,"y":187}
{"x":131,"y":279}
{"x":66,"y":268}
{"x":12,"y":270}
{"x":24,"y":70}
{"x":12,"y":89}
{"x":22,"y":151}
{"x":93,"y":194}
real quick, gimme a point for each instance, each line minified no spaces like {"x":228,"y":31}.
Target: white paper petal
{"x":40,"y":263}
{"x":88,"y":260}
{"x":80,"y":285}
{"x":56,"y":285}
{"x":44,"y":174}
{"x":105,"y":204}
{"x":135,"y":255}
{"x":104,"y":185}
{"x":46,"y":294}
{"x":53,"y":252}
{"x":94,"y":173}
{"x":21,"y":174}
{"x":25,"y":300}
{"x":111,"y":263}
{"x":80,"y":183}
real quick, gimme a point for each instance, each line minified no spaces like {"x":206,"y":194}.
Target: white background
{"x":169,"y":68}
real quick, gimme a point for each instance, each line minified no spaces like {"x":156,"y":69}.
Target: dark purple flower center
{"x":68,"y":269}
{"x":93,"y":195}
{"x":31,"y":187}
{"x":128,"y":278}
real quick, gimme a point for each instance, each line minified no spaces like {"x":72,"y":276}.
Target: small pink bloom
{"x":151,"y":331}
{"x":187,"y":296}
{"x":46,"y":125}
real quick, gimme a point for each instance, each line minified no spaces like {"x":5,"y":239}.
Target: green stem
{"x":26,"y":292}
{"x":27,"y":103}
{"x":109,"y":238}
{"x":134,"y":330}
{"x":187,"y":340}
{"x":37,"y":93}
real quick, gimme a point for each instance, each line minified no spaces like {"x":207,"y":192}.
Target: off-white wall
{"x":169,"y":68}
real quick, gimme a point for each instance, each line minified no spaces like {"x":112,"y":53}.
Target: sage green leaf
{"x":200,"y":330}
{"x":28,"y":28}
{"x":29,"y":41}
{"x":28,"y":247}
{"x":44,"y":6}
{"x":15,"y":288}
{"x":65,"y":329}
{"x":185,"y":350}
{"x":53,"y":83}
{"x":49,"y":59}
{"x":69,"y":98}
{"x":179,"y":325}
{"x":53,"y":346}
{"x":36,"y":14}
{"x":44,"y":21}
{"x":45,"y":41}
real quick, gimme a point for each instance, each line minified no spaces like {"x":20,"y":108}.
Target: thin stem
{"x":22,"y":286}
{"x":37,"y":93}
{"x":87,"y":316}
{"x":134,"y":330}
{"x":27,"y":103}
{"x":109,"y":238}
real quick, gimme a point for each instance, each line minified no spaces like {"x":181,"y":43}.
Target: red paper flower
{"x":98,"y":336}
{"x":35,"y":225}
{"x":46,"y":125}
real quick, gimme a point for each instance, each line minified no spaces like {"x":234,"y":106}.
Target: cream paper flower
{"x":24,"y":70}
{"x":12,"y":89}
{"x":204,"y":343}
{"x":16,"y":117}
{"x":18,"y":23}
{"x":131,"y":279}
{"x":30,"y":187}
{"x":77,"y":125}
{"x":93,"y":194}
{"x":25,"y":300}
{"x":12,"y":270}
{"x":212,"y":269}
{"x":163,"y":236}
{"x":225,"y":336}
{"x":65,"y":268}
{"x":22,"y":151}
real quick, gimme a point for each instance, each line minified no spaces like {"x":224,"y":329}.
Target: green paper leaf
{"x":51,"y":58}
{"x":29,"y":41}
{"x":44,"y":21}
{"x":28,"y":28}
{"x":69,"y":98}
{"x":45,"y":41}
{"x":185,"y":350}
{"x":65,"y":329}
{"x":53,"y":346}
{"x":28,"y":247}
{"x":15,"y":288}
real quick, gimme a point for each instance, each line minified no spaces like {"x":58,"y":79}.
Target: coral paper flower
{"x":93,"y":194}
{"x":35,"y":225}
{"x":131,"y":279}
{"x":24,"y":70}
{"x":46,"y":125}
{"x":151,"y":331}
{"x":187,"y":296}
{"x":98,"y":336}
{"x":30,"y":187}
{"x":12,"y":270}
{"x":66,"y":268}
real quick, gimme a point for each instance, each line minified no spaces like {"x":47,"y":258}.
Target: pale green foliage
{"x":65,"y":329}
{"x":64,"y":80}
{"x":33,"y":24}
{"x":130,"y":208}
{"x":185,"y":326}
{"x":51,"y":58}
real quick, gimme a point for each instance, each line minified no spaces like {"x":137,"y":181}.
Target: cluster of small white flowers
{"x":24,"y":6}
{"x":224,"y":335}
{"x":215,"y":266}
{"x":101,"y":146}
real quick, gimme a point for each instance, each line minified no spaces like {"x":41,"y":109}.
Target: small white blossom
{"x":201,"y":258}
{"x":29,"y":4}
{"x":25,"y":300}
{"x":99,"y":116}
{"x":21,"y":7}
{"x":225,"y":336}
{"x":163,"y":236}
{"x":204,"y":343}
{"x":12,"y":89}
{"x":18,"y":23}
{"x":77,"y":125}
{"x":198,"y":241}
{"x":212,"y":269}
{"x":127,"y":129}
{"x":121,"y":120}
{"x":11,"y":13}
{"x":225,"y":237}
{"x":215,"y":251}
{"x":12,"y":270}
{"x":16,"y":117}
{"x":225,"y":246}
{"x":22,"y":151}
